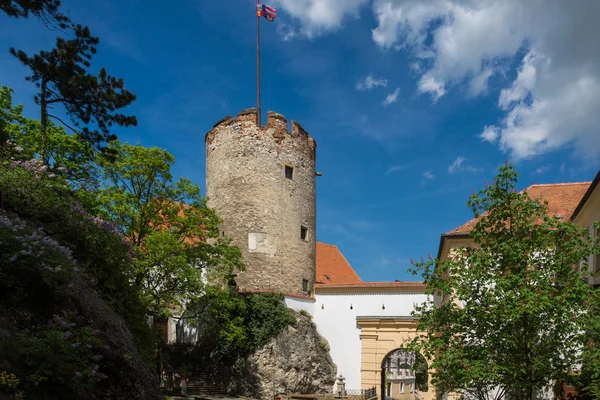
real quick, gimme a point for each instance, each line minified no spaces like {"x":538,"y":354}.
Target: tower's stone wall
{"x":264,"y":211}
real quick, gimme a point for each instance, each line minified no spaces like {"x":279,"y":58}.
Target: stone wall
{"x":263,"y":211}
{"x":296,"y":361}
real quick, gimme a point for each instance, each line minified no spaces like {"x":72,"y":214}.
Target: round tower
{"x":261,"y":182}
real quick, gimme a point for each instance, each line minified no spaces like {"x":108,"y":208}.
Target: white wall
{"x":299,"y":304}
{"x":336,"y":322}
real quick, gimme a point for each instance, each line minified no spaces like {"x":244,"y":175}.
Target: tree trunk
{"x":44,"y":123}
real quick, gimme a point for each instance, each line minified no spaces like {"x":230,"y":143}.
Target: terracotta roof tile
{"x":562,"y":198}
{"x":378,"y":285}
{"x":332,"y":266}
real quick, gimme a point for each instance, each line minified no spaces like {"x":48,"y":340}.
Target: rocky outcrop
{"x":296,"y":361}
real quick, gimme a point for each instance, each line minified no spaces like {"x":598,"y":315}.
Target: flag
{"x":263,"y":10}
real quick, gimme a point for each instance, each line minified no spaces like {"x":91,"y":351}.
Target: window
{"x":401,"y":387}
{"x":303,"y":232}
{"x":305,"y":285}
{"x":289,"y":172}
{"x":596,"y":256}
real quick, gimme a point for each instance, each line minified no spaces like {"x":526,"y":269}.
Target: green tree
{"x":47,"y":11}
{"x":69,"y":156}
{"x":515,"y":310}
{"x":174,"y":234}
{"x":62,"y":77}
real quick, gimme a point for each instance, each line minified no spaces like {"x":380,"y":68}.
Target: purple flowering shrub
{"x":48,"y":240}
{"x":57,"y":359}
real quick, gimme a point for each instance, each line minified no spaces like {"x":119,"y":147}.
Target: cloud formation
{"x":319,"y":16}
{"x":459,"y":164}
{"x":428,"y":175}
{"x":391,"y":98}
{"x":553,"y":100}
{"x":395,"y":168}
{"x":368,"y":83}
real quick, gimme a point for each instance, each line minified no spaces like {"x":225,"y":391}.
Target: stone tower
{"x":261,"y":181}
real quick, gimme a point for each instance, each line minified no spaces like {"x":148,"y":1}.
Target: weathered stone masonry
{"x":264,"y":211}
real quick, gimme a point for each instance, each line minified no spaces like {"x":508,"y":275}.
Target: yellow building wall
{"x":379,"y":337}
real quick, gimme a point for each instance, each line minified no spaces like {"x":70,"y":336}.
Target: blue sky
{"x":468,"y":85}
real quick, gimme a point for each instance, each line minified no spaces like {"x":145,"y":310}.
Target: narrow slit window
{"x":303,"y":232}
{"x":305,"y":285}
{"x":289,"y":172}
{"x":596,"y":267}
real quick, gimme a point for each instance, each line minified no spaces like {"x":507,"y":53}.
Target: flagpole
{"x":258,"y":112}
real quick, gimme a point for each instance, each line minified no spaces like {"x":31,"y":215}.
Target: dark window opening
{"x":303,"y":232}
{"x":596,"y":267}
{"x":289,"y":172}
{"x":304,"y":285}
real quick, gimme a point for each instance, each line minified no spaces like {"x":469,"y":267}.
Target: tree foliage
{"x":70,"y":157}
{"x":63,"y":79}
{"x":175,"y":236}
{"x":514,"y":312}
{"x":233,"y":325}
{"x":51,"y":249}
{"x":47,"y":11}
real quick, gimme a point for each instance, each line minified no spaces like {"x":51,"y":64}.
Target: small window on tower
{"x":304,"y":285}
{"x":303,"y":232}
{"x":289,"y":172}
{"x":596,"y":267}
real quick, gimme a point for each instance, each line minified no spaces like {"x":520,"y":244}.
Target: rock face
{"x":130,"y":377}
{"x":297,"y":361}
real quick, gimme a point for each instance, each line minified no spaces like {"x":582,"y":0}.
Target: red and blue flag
{"x":263,"y":10}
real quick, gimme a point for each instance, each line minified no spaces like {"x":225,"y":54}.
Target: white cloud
{"x":286,"y":31}
{"x":368,"y":83}
{"x":541,"y":170}
{"x":460,"y":164}
{"x":479,"y":83}
{"x":428,"y":84}
{"x":396,"y":168}
{"x":428,"y":175}
{"x":391,"y":98}
{"x":319,"y":16}
{"x":553,"y":100}
{"x":489,"y":134}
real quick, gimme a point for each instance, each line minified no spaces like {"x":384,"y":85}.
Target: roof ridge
{"x":560,"y":184}
{"x":327,"y":244}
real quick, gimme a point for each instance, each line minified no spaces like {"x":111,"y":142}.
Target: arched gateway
{"x":403,"y":375}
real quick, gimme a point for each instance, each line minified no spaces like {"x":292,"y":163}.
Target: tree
{"x":174,"y":235}
{"x":45,"y":10}
{"x":69,"y":156}
{"x":63,"y":79}
{"x":515,"y":310}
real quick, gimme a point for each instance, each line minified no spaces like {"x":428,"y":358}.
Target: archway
{"x":408,"y":369}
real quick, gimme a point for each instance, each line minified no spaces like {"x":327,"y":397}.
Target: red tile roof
{"x":378,"y":285}
{"x":562,"y":198}
{"x":332,"y":266}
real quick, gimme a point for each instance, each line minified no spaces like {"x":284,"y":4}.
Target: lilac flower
{"x":77,"y":373}
{"x":19,"y":149}
{"x":66,"y":335}
{"x":52,"y":176}
{"x":76,"y":344}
